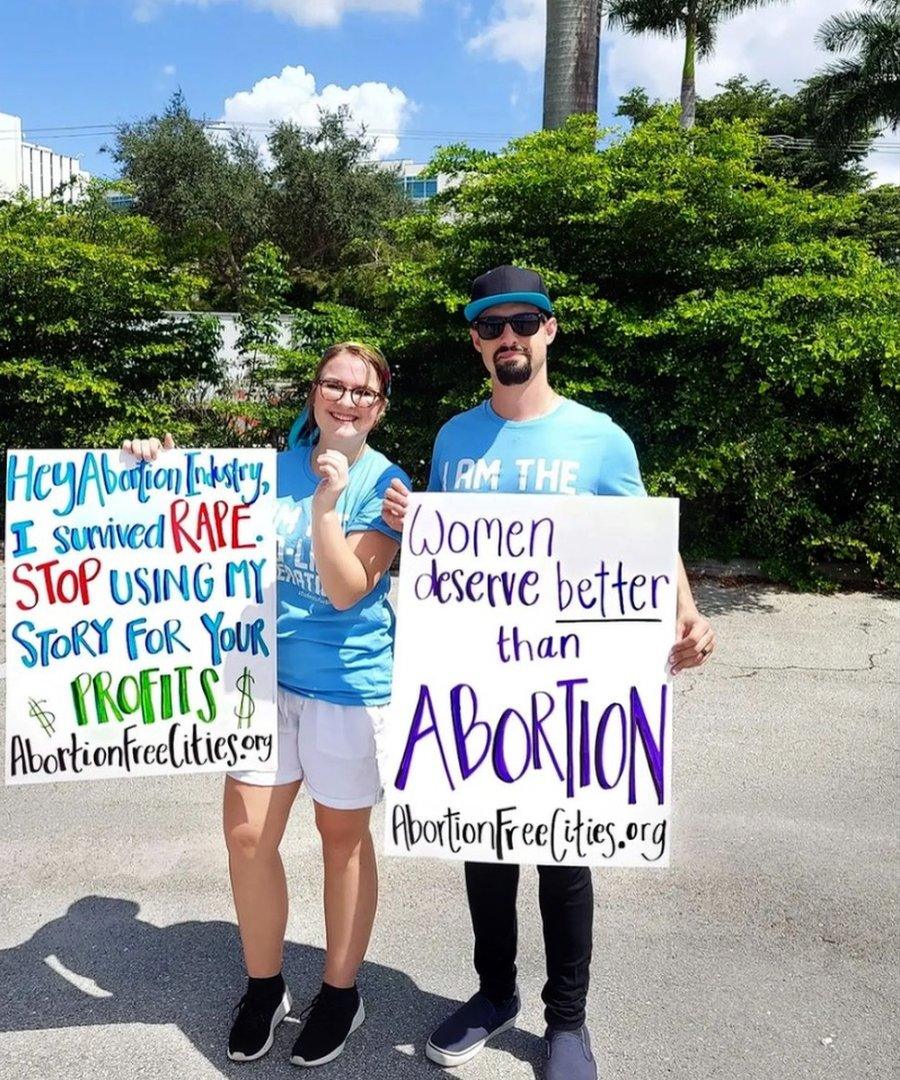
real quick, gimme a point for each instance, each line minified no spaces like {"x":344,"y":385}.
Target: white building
{"x":42,"y":173}
{"x":410,"y":180}
{"x":234,"y":364}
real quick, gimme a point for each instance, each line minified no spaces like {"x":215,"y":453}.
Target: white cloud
{"x":292,"y":95}
{"x":330,"y":12}
{"x":169,"y":70}
{"x":515,"y":32}
{"x":302,"y":12}
{"x":145,"y":10}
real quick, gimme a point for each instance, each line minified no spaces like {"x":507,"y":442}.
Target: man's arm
{"x":694,"y":638}
{"x":396,"y":499}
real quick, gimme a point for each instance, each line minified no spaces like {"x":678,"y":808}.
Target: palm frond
{"x":864,"y":87}
{"x":846,"y":99}
{"x":852,"y":30}
{"x":646,"y":17}
{"x":706,"y":37}
{"x":727,"y":9}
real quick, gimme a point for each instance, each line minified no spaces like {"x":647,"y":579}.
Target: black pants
{"x":566,"y":898}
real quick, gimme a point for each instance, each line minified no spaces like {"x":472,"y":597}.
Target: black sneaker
{"x":332,"y":1016}
{"x":464,"y":1033}
{"x":255,"y":1019}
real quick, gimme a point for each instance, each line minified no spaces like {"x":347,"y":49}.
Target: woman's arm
{"x":349,"y":567}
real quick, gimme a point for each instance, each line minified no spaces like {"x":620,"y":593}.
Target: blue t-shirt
{"x":339,"y":656}
{"x":571,"y":450}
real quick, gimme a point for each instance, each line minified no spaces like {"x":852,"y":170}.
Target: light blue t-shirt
{"x":339,"y":656}
{"x":572,"y":450}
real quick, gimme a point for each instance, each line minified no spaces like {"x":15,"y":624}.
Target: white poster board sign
{"x":140,"y":613}
{"x":531,"y":718}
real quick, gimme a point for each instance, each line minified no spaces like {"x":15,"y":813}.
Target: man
{"x":529,"y":439}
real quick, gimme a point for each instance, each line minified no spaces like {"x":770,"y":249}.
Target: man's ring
{"x":705,"y":651}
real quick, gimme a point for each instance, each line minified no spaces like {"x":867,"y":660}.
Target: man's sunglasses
{"x":524,"y":324}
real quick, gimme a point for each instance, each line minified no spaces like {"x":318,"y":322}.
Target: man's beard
{"x":513,"y":372}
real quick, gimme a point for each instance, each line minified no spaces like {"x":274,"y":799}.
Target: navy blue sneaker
{"x":569,"y":1055}
{"x":464,"y":1033}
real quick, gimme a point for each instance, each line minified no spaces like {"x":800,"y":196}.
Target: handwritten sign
{"x":531,"y":718}
{"x":140,"y":613}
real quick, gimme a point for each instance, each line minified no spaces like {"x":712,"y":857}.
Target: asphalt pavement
{"x":768,"y":949}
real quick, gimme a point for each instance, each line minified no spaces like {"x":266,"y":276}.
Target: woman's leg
{"x":351,"y":890}
{"x":254,"y":819}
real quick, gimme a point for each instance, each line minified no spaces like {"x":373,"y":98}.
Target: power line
{"x":791,"y":142}
{"x":87,"y":131}
{"x":112,"y":128}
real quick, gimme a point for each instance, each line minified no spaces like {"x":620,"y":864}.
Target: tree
{"x":863,"y":89}
{"x":696,"y":20}
{"x":209,"y":196}
{"x":728,"y":320}
{"x":571,"y":59}
{"x":88,"y":353}
{"x":262,"y":303}
{"x":329,"y":199}
{"x":879,"y":222}
{"x":215,"y":197}
{"x":637,"y":107}
{"x":794,"y":147}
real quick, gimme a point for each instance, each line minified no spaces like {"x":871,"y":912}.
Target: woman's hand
{"x":393,"y":508}
{"x":335,"y":471}
{"x":148,"y":449}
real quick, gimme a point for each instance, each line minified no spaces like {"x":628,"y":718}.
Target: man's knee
{"x":570,"y":880}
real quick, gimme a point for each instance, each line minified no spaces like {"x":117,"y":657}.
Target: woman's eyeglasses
{"x":332,"y":390}
{"x":524,"y":324}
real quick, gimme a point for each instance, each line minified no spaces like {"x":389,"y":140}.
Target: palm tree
{"x":571,"y":59}
{"x":864,"y":89}
{"x":696,"y":20}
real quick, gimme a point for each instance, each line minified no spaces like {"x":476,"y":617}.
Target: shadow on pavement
{"x":100,"y":964}
{"x":714,"y":598}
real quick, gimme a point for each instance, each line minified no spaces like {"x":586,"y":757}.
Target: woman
{"x":335,"y":637}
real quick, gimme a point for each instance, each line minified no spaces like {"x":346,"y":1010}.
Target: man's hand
{"x":335,"y":471}
{"x":695,"y":641}
{"x":148,"y":449}
{"x":396,"y":500}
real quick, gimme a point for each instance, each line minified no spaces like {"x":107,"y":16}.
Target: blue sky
{"x":424,"y":72}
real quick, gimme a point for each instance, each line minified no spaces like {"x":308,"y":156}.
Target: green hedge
{"x":737,"y":327}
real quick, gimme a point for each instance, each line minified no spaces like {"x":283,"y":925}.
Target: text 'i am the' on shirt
{"x":571,"y":450}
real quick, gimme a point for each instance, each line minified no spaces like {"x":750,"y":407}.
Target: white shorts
{"x":333,"y":749}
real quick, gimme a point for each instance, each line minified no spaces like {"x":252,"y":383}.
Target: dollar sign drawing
{"x":246,"y":707}
{"x":43,"y":717}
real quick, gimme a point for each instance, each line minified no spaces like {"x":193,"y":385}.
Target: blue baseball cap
{"x":506,"y":285}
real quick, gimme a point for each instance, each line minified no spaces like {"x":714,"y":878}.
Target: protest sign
{"x":531,"y":718}
{"x":140,"y":628}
